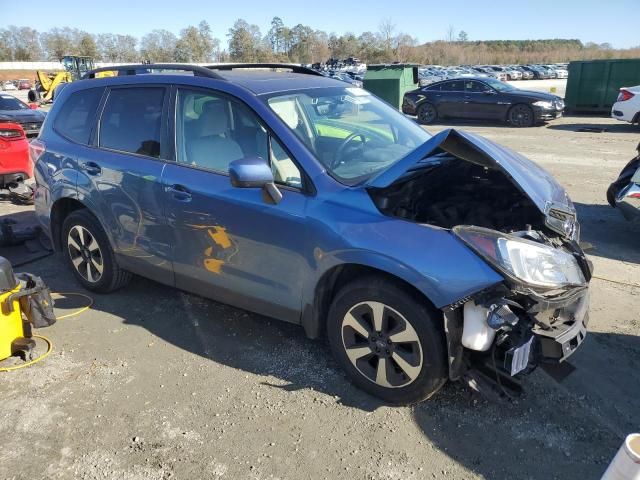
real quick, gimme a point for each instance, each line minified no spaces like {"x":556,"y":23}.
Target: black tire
{"x":427,"y":113}
{"x":521,"y":116}
{"x":33,"y":96}
{"x":427,"y":355}
{"x":111,"y":277}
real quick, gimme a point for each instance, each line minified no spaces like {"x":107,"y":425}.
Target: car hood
{"x":23,"y":116}
{"x":534,"y":181}
{"x":534,"y":94}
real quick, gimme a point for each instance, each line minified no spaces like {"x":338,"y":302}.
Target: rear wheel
{"x":89,"y":254}
{"x":521,"y":116}
{"x":427,"y":113}
{"x":389,"y":344}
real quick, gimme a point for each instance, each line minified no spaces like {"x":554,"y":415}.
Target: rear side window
{"x":453,"y":86}
{"x":132,"y":119}
{"x":76,"y":117}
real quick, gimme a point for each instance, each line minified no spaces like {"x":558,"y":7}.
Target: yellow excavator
{"x":47,"y":84}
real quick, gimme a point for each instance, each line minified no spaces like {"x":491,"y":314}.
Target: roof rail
{"x":287,"y":66}
{"x":132,"y":69}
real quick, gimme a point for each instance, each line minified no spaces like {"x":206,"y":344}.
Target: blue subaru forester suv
{"x":274,"y":189}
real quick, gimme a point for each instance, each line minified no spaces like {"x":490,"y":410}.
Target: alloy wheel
{"x":521,"y":116}
{"x":85,"y":254}
{"x":427,"y":113}
{"x":381,"y":344}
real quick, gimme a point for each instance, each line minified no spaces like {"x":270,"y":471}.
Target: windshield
{"x":351,"y":132}
{"x":7,"y":102}
{"x":498,"y":85}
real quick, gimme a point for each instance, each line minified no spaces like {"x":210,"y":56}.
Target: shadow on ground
{"x":610,"y":234}
{"x":559,"y":423}
{"x":550,"y":432}
{"x":596,"y":127}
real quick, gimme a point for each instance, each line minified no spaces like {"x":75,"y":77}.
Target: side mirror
{"x":254,"y":172}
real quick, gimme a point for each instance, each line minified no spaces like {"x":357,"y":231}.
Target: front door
{"x":482,"y":101}
{"x":232,"y":244}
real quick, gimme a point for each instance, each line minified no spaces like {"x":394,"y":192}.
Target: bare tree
{"x":451,"y":34}
{"x":387,"y":29}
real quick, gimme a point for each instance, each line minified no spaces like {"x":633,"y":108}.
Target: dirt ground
{"x":152,"y":383}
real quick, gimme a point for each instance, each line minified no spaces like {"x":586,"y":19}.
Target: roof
{"x":262,"y":82}
{"x":471,"y":77}
{"x":258,"y":78}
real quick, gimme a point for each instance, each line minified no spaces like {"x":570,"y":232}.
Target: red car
{"x":24,"y":85}
{"x":15,"y":164}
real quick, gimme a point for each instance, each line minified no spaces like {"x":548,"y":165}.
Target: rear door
{"x":120,"y":178}
{"x":450,"y":99}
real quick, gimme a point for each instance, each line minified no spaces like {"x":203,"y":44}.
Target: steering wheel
{"x":337,"y":159}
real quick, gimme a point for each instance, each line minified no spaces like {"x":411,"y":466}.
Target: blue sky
{"x":613,"y":21}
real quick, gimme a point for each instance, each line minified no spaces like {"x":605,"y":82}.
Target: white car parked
{"x":9,"y":86}
{"x":627,"y":106}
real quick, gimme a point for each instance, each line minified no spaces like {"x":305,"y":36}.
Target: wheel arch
{"x":60,"y":210}
{"x":315,"y":312}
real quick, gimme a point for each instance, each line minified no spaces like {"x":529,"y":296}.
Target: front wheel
{"x":390,"y":344}
{"x":87,"y":250}
{"x":521,"y":116}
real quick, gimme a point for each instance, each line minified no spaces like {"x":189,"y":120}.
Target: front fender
{"x":431,"y":259}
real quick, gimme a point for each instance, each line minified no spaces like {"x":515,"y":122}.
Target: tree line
{"x":299,"y":44}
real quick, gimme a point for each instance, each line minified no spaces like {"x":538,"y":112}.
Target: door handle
{"x":91,"y":168}
{"x":179,"y":192}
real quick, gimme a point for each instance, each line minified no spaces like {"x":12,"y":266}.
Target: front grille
{"x":31,"y":126}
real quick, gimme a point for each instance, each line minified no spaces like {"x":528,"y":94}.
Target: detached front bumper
{"x":530,"y":329}
{"x":560,"y":327}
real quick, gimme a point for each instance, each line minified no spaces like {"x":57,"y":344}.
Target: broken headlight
{"x":533,"y":263}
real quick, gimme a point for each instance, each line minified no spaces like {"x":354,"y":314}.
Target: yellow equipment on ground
{"x":74,"y":68}
{"x":25,"y":301}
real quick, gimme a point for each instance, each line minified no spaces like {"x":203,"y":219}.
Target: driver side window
{"x":212,"y":131}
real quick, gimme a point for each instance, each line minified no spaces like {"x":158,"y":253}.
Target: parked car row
{"x":22,"y":84}
{"x":435,"y":73}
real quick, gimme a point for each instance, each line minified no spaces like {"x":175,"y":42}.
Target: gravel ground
{"x":152,"y":383}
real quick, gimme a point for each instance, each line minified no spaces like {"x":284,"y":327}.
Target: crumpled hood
{"x":534,"y":181}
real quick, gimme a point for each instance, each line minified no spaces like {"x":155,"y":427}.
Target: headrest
{"x":214,"y":119}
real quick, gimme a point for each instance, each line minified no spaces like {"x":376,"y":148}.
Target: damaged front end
{"x":514,"y":215}
{"x":539,"y":314}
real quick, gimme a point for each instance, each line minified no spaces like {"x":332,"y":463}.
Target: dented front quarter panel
{"x":430,"y":258}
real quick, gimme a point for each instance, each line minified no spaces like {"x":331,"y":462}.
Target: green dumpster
{"x":391,"y":81}
{"x":592,"y":86}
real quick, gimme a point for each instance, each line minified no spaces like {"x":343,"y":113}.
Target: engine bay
{"x":446,"y":191}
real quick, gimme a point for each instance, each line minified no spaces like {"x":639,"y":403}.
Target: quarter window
{"x":132,"y":119}
{"x":77,"y":116}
